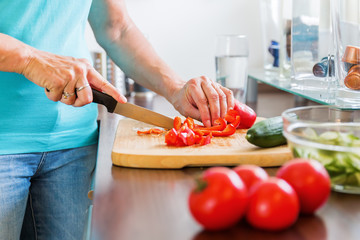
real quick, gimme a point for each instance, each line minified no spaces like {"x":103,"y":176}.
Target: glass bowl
{"x":319,"y":114}
{"x":336,"y":145}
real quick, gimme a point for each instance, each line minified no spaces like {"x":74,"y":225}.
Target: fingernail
{"x":123,"y":98}
{"x":207,"y":123}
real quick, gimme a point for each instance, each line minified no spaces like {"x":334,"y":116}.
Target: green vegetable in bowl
{"x":343,"y":167}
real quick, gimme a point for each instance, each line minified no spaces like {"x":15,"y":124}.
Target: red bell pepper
{"x":186,"y":135}
{"x":229,"y":130}
{"x":197,"y":138}
{"x":247,"y":115}
{"x":171,"y":137}
{"x":220,"y":125}
{"x":205,"y":140}
{"x":177,"y":123}
{"x":231,"y":115}
{"x":151,"y":131}
{"x":190,"y":122}
{"x":236,"y":122}
{"x":189,"y":133}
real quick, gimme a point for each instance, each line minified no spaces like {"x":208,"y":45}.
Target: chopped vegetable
{"x":186,"y":135}
{"x":177,"y":123}
{"x":171,"y":137}
{"x":229,"y":130}
{"x":189,"y":133}
{"x":151,"y":131}
{"x":247,"y":115}
{"x":220,"y":124}
{"x":343,"y":167}
{"x":267,"y":133}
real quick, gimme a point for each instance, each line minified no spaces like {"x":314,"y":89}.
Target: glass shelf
{"x":323,"y":95}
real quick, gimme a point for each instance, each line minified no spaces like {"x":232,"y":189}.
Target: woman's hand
{"x":67,"y":79}
{"x":203,"y":99}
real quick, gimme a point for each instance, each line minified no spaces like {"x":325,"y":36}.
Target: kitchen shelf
{"x":325,"y":95}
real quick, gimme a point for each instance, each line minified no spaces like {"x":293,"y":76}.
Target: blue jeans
{"x":44,"y":195}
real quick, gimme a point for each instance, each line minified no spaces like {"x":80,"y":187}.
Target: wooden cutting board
{"x":150,"y":151}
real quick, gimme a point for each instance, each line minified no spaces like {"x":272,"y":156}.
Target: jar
{"x":311,"y":55}
{"x":276,"y":32}
{"x":346,"y":34}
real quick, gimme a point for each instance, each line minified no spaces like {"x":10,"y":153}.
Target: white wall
{"x":183,"y":31}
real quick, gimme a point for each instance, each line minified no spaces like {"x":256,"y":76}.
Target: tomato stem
{"x":201,"y":184}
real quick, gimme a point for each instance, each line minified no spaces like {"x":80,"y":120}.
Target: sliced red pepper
{"x":229,"y":118}
{"x":190,"y":122}
{"x":198,"y":132}
{"x":189,"y":133}
{"x":236,"y":122}
{"x":157,"y":131}
{"x":177,"y":123}
{"x":231,"y":115}
{"x":198,"y":126}
{"x":151,"y":131}
{"x":206,"y":140}
{"x":229,"y":130}
{"x":204,"y":132}
{"x":198,"y":138}
{"x":186,"y":135}
{"x":143,"y":132}
{"x":198,"y":135}
{"x":220,"y":125}
{"x":171,"y":137}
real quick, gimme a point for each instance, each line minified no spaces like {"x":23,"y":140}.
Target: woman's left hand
{"x":203,"y":99}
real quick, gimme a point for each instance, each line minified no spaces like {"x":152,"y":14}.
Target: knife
{"x":132,"y":111}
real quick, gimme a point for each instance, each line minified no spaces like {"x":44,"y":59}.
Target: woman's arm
{"x":57,"y":74}
{"x":114,"y":30}
{"x":14,"y":54}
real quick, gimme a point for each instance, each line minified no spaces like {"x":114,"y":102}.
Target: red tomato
{"x":273,"y":205}
{"x":247,"y":115}
{"x":310,"y":180}
{"x":251,"y":174}
{"x":220,"y":199}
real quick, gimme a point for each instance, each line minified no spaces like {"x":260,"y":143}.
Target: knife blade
{"x":132,"y":111}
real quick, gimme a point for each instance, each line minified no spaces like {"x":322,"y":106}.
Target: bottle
{"x":274,"y":51}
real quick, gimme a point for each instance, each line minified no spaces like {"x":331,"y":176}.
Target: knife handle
{"x":104,"y":99}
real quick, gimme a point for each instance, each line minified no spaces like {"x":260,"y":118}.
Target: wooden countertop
{"x":137,"y":204}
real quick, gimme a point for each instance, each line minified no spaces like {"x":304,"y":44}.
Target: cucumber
{"x":267,"y":133}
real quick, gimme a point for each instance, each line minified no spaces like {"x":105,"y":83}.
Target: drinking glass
{"x":231,"y":59}
{"x":346,"y":33}
{"x":312,"y":49}
{"x":275,"y":18}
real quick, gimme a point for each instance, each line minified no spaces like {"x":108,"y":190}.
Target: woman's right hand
{"x":67,"y":79}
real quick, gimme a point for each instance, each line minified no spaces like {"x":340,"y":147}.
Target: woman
{"x":48,"y":130}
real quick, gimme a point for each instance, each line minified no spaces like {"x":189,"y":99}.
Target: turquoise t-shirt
{"x":29,"y":121}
